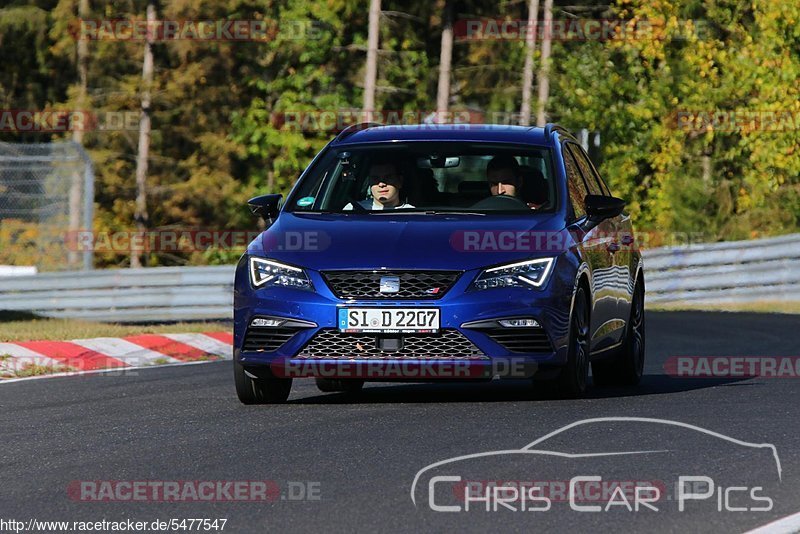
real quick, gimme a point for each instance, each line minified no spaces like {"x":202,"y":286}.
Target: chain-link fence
{"x":46,"y":196}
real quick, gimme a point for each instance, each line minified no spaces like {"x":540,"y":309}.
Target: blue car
{"x":447,"y":252}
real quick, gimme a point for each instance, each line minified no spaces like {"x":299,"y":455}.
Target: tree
{"x":527,"y":72}
{"x":371,"y":73}
{"x":544,"y":67}
{"x":76,"y":186}
{"x":445,"y":59}
{"x":141,"y":216}
{"x":26,"y":80}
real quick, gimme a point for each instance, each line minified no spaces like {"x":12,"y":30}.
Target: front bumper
{"x":466,"y":342}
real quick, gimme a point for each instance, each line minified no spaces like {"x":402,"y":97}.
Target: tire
{"x":259,"y":386}
{"x":347,"y":385}
{"x":574,"y":377}
{"x":626,"y":369}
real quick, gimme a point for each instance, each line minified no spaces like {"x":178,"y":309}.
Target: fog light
{"x":270,"y":323}
{"x":519,"y":323}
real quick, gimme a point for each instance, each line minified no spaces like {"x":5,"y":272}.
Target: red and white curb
{"x":104,"y":354}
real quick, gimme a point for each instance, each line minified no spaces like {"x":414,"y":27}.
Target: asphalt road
{"x":358,"y":457}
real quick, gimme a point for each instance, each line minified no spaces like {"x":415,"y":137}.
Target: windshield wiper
{"x":454,"y":212}
{"x":404,"y":211}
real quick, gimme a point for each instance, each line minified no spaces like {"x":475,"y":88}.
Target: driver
{"x":505,"y":178}
{"x":385,"y":184}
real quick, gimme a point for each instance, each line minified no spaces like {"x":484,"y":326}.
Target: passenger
{"x":385,"y":185}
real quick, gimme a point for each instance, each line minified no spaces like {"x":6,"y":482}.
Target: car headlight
{"x":269,"y":273}
{"x":531,"y":273}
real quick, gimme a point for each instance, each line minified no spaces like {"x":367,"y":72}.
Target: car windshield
{"x":428,"y":177}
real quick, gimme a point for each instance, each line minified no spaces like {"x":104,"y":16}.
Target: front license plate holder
{"x":389,"y":320}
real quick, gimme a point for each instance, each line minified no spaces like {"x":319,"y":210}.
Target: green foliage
{"x":632,"y":90}
{"x":27,"y":78}
{"x":297,"y":76}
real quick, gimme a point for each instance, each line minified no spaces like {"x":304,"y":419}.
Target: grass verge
{"x":33,"y":369}
{"x":15,"y":326}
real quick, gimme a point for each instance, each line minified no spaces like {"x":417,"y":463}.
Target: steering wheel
{"x":357,"y":207}
{"x":501,"y":202}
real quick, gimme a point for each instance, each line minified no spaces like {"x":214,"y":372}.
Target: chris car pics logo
{"x":441,"y":486}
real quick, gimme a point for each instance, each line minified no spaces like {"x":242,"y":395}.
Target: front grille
{"x":419,"y":285}
{"x":334,"y":345}
{"x":521,"y":339}
{"x":265,"y":339}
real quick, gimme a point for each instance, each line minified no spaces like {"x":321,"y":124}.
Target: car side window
{"x":602,"y":183}
{"x":575,"y":185}
{"x":586,"y":170}
{"x":596,"y":184}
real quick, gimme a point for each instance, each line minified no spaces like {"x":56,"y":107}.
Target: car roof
{"x":495,"y":133}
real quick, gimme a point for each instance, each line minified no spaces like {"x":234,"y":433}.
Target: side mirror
{"x":265,"y":206}
{"x":599,"y":207}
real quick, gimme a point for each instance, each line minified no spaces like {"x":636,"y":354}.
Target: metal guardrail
{"x":22,"y":270}
{"x":735,"y":272}
{"x":124,"y":295}
{"x":713,"y":274}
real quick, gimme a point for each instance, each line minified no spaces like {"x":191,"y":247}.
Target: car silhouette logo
{"x":390,"y":284}
{"x":535,"y":447}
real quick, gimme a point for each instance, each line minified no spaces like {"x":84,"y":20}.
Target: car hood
{"x":409,"y":241}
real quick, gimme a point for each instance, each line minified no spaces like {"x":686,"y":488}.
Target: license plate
{"x":392,"y":321}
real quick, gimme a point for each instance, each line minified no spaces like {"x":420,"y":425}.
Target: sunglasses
{"x":392,"y":178}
